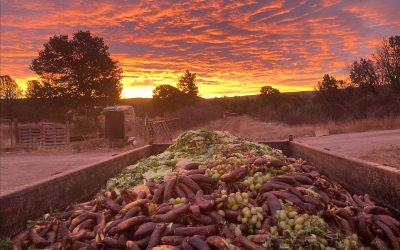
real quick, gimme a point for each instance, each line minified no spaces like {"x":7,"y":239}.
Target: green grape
{"x":298,"y":227}
{"x":300,"y":220}
{"x":292,"y":214}
{"x":239,"y":198}
{"x":253,"y":219}
{"x":215,"y":176}
{"x":247,"y":213}
{"x":282,"y":215}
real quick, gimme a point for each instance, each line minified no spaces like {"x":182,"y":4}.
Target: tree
{"x":9,"y":92}
{"x":41,"y":90}
{"x":388,"y":61}
{"x":331,"y":96}
{"x":78,"y":69}
{"x":167,"y":97}
{"x":363,"y":74}
{"x":268,"y":90}
{"x":187,"y":84}
{"x":329,"y":83}
{"x":9,"y":89}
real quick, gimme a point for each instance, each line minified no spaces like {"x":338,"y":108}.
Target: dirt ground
{"x":20,"y":168}
{"x":389,"y":156}
{"x":378,"y":146}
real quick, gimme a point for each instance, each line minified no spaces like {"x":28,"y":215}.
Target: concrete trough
{"x":381,"y":182}
{"x":79,"y":184}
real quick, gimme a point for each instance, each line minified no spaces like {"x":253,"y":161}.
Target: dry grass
{"x":252,"y":128}
{"x":367,"y":124}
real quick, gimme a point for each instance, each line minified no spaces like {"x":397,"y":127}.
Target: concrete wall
{"x":57,"y":192}
{"x":382,"y":183}
{"x":282,"y":145}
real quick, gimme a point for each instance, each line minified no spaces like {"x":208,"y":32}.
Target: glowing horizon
{"x":235,"y":48}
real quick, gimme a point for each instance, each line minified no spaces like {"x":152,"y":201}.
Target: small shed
{"x":119,"y":121}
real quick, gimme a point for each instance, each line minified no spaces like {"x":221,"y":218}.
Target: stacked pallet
{"x":45,"y":134}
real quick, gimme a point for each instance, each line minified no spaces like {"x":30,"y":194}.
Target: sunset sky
{"x":235,"y":47}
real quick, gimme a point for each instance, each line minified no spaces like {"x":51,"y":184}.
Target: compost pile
{"x":220,"y":192}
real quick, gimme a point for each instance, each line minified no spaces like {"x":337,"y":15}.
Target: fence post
{"x":66,"y":132}
{"x":13,"y":131}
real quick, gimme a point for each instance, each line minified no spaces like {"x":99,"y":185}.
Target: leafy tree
{"x":363,"y":74}
{"x":9,"y":92}
{"x":9,"y":89}
{"x":167,"y":97}
{"x":41,"y":90}
{"x":330,"y":97}
{"x":187,"y":84}
{"x":270,"y":95}
{"x":78,"y":69}
{"x":328,"y":83}
{"x":388,"y":61}
{"x":268,"y":90}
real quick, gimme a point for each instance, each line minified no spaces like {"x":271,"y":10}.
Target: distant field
{"x":382,"y":146}
{"x":252,"y":128}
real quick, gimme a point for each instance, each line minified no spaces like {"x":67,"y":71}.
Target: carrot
{"x":248,"y":244}
{"x":170,"y":216}
{"x":131,"y":222}
{"x":217,"y":242}
{"x":144,"y":230}
{"x":156,"y":235}
{"x":169,"y":188}
{"x":189,"y":182}
{"x":136,"y":203}
{"x":172,"y":240}
{"x":197,"y":243}
{"x":202,"y":230}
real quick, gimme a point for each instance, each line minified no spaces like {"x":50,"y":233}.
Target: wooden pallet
{"x":46,"y":134}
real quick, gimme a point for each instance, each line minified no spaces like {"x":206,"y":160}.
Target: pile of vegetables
{"x":217,"y":191}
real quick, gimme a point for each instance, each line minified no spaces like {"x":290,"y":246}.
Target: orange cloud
{"x":234,"y":47}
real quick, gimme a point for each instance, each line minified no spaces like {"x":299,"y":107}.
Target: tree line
{"x":79,"y":73}
{"x":372,"y":89}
